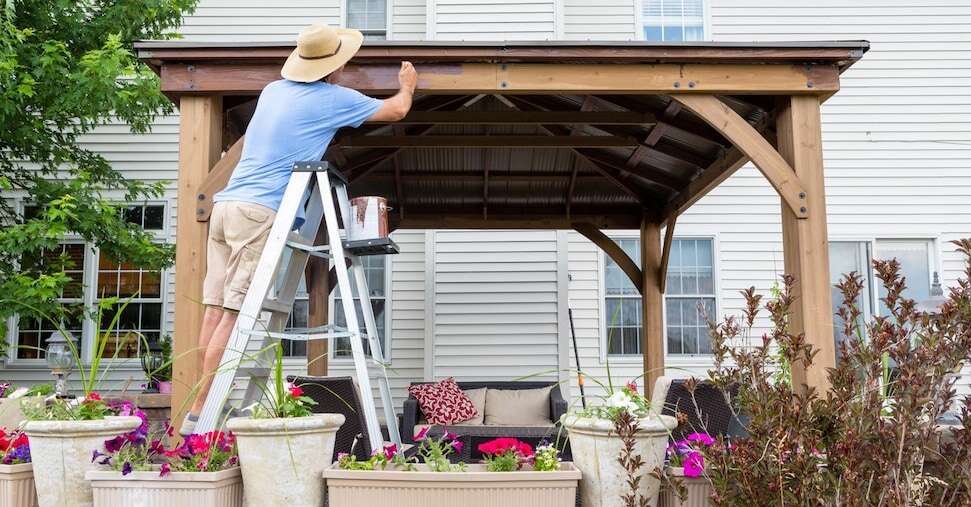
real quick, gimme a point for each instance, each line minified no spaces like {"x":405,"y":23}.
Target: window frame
{"x":679,"y":359}
{"x":639,"y":22}
{"x":89,"y":297}
{"x":389,"y":5}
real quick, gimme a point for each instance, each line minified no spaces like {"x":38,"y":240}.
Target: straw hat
{"x":321,"y":49}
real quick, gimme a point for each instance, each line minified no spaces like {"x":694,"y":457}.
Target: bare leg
{"x":213,"y":356}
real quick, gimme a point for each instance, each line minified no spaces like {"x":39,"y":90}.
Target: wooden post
{"x":318,"y":291}
{"x":652,"y":304}
{"x":805,"y":245}
{"x":200,"y":141}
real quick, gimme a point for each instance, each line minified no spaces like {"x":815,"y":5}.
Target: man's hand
{"x":398,"y":106}
{"x":407,"y":77}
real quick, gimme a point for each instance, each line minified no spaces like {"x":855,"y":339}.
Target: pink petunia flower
{"x":694,"y":465}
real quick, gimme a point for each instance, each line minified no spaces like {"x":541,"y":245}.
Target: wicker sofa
{"x":472,"y":435}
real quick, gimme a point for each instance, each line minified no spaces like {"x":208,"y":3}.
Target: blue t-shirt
{"x":293,"y":122}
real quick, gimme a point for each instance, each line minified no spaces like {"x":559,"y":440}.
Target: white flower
{"x":19,"y":393}
{"x":620,"y":399}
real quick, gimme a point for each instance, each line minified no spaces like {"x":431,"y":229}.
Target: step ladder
{"x":265,"y":312}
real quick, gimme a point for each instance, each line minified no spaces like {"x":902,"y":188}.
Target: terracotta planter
{"x":596,"y":447}
{"x":473,"y":488}
{"x":17,"y":485}
{"x":195,"y":489}
{"x":283,"y":459}
{"x":62,"y":450}
{"x":697,"y":491}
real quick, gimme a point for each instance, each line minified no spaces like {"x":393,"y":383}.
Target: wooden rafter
{"x":655,"y":135}
{"x":398,"y":186}
{"x":525,"y":118}
{"x":666,"y":254}
{"x":775,"y":169}
{"x":686,"y":132}
{"x":484,"y":141}
{"x":587,"y":105}
{"x":614,"y":251}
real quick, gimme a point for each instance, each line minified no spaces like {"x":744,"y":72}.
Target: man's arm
{"x":395,"y":108}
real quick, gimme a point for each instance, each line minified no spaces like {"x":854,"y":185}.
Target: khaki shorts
{"x":237,"y":233}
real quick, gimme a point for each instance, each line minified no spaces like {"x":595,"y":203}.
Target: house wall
{"x":491,"y":305}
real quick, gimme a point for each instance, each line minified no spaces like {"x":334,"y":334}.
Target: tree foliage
{"x":67,"y":66}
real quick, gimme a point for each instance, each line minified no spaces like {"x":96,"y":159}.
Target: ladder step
{"x":255,"y":372}
{"x":305,"y":334}
{"x":277,"y":306}
{"x":296,"y":243}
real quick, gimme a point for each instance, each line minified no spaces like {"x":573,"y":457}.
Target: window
{"x":369,"y":16}
{"x":375,"y":269}
{"x":93,"y":277}
{"x":916,"y":259}
{"x":673,"y":20}
{"x":690,"y":296}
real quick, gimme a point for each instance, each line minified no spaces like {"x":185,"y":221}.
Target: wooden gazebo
{"x":585,"y":136}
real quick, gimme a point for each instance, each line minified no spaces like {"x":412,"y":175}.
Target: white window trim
{"x":639,"y":20}
{"x":389,"y":5}
{"x":681,"y":360}
{"x":89,"y":278}
{"x":389,"y":353}
{"x":934,"y":259}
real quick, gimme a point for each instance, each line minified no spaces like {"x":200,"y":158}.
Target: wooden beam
{"x":655,"y":135}
{"x":475,"y":141}
{"x":772,"y":165}
{"x":666,"y":254}
{"x":614,"y":251}
{"x":652,"y":304}
{"x":804,"y":241}
{"x":432,"y":219}
{"x":216,"y":180}
{"x":540,"y":78}
{"x":200,"y":142}
{"x":525,"y":118}
{"x":708,"y":180}
{"x":317,"y":277}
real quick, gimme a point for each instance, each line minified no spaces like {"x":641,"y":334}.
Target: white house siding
{"x":495,"y":304}
{"x":610,"y":20}
{"x":257,"y":20}
{"x":408,"y":19}
{"x":492,"y":20}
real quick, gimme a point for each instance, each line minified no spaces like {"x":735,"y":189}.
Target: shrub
{"x":873,"y":438}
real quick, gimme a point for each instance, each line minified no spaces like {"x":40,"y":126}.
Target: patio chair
{"x":706,"y":409}
{"x":338,"y":395}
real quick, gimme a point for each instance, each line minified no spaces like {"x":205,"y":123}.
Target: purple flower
{"x":457,"y":445}
{"x":164,"y":470}
{"x":115,"y":444}
{"x":3,"y":388}
{"x":126,"y":468}
{"x":390,"y":450}
{"x":701,"y":438}
{"x":694,"y":465}
{"x":421,"y":434}
{"x":95,"y":455}
{"x":449,"y":436}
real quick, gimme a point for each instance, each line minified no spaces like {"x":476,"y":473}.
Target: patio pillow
{"x":443,"y":402}
{"x":478,"y":397}
{"x":518,"y":407}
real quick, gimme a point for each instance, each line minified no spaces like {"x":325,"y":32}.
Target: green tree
{"x":67,"y":66}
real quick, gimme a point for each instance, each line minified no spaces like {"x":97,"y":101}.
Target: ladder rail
{"x":263,"y":279}
{"x":350,"y":312}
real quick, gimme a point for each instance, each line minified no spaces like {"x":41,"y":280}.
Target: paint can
{"x":369,"y":218}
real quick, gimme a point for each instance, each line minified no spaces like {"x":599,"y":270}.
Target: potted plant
{"x":11,"y":415}
{"x":202,"y":471}
{"x":164,"y":374}
{"x":282,"y":446}
{"x":512,"y":475}
{"x":616,"y":446}
{"x":685,"y":484}
{"x":16,"y":471}
{"x":64,"y":430}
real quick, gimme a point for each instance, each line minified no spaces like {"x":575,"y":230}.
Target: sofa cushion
{"x":518,"y":407}
{"x":478,"y":397}
{"x":443,"y":402}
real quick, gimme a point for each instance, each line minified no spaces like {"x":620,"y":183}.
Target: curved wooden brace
{"x":216,"y":180}
{"x":775,"y":168}
{"x":613,"y":250}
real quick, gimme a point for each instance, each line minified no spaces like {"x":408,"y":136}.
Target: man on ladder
{"x":295,"y":120}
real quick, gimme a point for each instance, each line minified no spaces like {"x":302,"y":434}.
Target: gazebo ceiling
{"x":531,"y":135}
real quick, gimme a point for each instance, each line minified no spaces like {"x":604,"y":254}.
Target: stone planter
{"x":17,"y":485}
{"x":62,"y":450}
{"x":197,"y":489}
{"x":282,"y":459}
{"x":473,"y":488}
{"x":596,"y":448}
{"x":697,"y":491}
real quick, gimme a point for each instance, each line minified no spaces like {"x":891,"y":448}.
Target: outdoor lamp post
{"x":152,"y":360}
{"x":933,"y":304}
{"x":60,"y":359}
